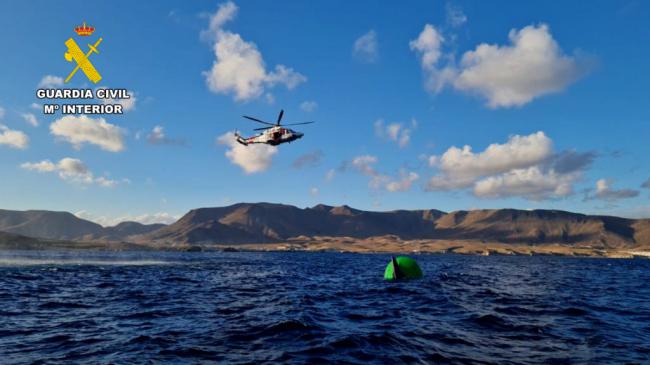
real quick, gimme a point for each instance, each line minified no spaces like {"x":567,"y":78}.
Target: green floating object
{"x":402,"y":268}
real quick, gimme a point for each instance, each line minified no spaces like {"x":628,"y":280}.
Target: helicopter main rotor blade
{"x":262,"y":129}
{"x":257,"y":120}
{"x":280,"y":116}
{"x":300,"y":123}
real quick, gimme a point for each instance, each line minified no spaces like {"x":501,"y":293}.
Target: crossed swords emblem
{"x":83,"y":63}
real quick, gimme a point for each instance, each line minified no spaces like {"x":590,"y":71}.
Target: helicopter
{"x":273,"y":135}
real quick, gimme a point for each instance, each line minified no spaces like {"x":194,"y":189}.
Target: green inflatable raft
{"x":402,"y":268}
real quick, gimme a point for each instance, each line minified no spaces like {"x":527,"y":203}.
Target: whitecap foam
{"x":77,"y":262}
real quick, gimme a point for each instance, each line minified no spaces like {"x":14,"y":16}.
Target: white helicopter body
{"x":273,"y":135}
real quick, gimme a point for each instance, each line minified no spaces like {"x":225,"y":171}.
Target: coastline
{"x":382,"y":244}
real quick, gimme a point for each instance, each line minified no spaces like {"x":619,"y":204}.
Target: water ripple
{"x":127,"y":308}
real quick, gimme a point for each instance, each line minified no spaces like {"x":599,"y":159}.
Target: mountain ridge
{"x":268,"y":222}
{"x":59,"y":225}
{"x":245,"y":223}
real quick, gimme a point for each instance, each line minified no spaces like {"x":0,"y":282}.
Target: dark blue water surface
{"x":133,"y":308}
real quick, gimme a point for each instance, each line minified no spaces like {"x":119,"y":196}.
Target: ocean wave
{"x":320,"y":308}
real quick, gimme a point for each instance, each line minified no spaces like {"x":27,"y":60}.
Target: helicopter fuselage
{"x":273,"y":136}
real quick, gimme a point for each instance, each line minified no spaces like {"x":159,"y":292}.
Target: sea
{"x":87,"y":307}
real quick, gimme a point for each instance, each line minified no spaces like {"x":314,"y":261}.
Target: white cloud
{"x":532,"y":65}
{"x":42,"y":166}
{"x":364,"y":165}
{"x":531,"y":183}
{"x":524,"y":166}
{"x":252,"y":159}
{"x":428,"y":46}
{"x":104,"y":221}
{"x":366,"y":48}
{"x":518,"y":152}
{"x":604,"y":191}
{"x":513,"y":75}
{"x":396,"y":132}
{"x":146,"y":218}
{"x":157,"y":136}
{"x":50,"y":82}
{"x":314,"y":192}
{"x":239,"y":68}
{"x":81,"y":129}
{"x":35,"y":106}
{"x":225,"y":13}
{"x":109,"y":183}
{"x":160,"y":217}
{"x":432,"y":161}
{"x":447,"y":183}
{"x":13,"y":138}
{"x":308,"y":106}
{"x":455,"y":16}
{"x":330,"y":174}
{"x":286,"y":76}
{"x":404,"y":183}
{"x":127,"y":104}
{"x":30,"y":119}
{"x":71,"y":170}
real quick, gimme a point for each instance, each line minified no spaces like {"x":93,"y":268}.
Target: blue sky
{"x":396,"y":91}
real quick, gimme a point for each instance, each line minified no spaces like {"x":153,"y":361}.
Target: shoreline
{"x":393,"y":244}
{"x":372,"y":245}
{"x":560,"y":251}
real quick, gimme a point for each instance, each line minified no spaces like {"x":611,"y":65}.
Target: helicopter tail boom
{"x":240,"y":139}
